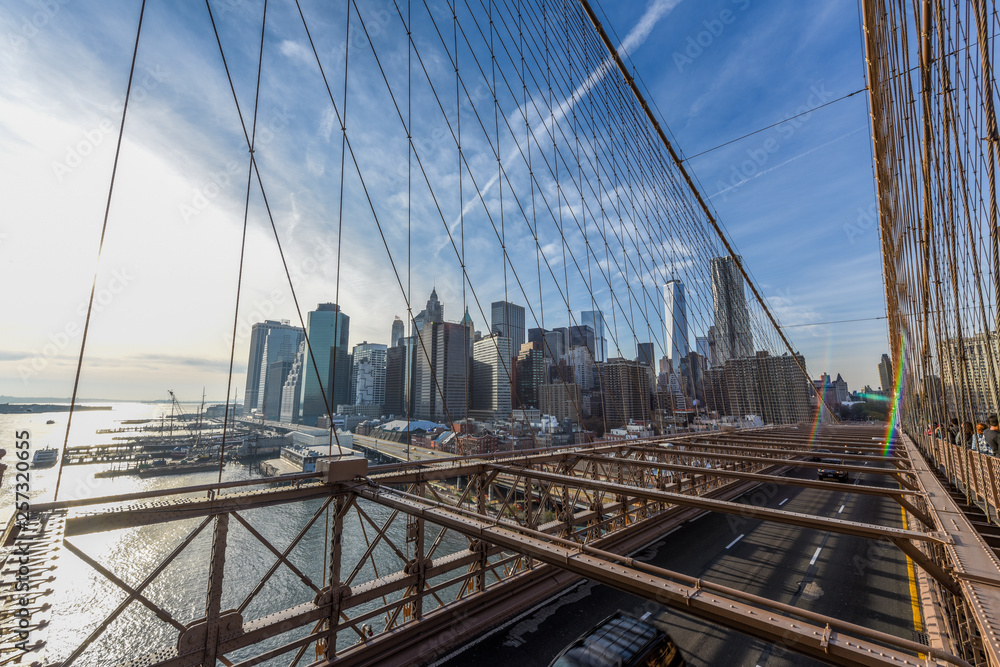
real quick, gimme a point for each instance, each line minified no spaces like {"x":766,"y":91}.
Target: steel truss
{"x":532,"y":524}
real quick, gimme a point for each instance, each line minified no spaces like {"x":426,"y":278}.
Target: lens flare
{"x":897,"y":394}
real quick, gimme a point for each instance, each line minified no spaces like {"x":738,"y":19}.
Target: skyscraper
{"x":885,"y":373}
{"x":398,"y":331}
{"x":270,"y":341}
{"x":441,"y":371}
{"x":645,"y":354}
{"x":291,"y":390}
{"x":507,"y":319}
{"x":733,"y":338}
{"x":395,"y":380}
{"x":595,"y":320}
{"x":368,"y":388}
{"x":702,"y":348}
{"x":530,"y":375}
{"x":327,"y":363}
{"x":433,"y":312}
{"x":675,"y":309}
{"x":492,"y":376}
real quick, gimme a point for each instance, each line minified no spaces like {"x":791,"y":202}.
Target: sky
{"x":797,"y":200}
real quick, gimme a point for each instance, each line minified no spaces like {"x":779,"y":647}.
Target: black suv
{"x":622,"y":640}
{"x":832,"y":473}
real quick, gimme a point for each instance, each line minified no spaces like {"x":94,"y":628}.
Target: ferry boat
{"x":45,"y":458}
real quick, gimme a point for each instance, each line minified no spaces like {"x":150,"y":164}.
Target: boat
{"x":51,"y":421}
{"x":179,"y":452}
{"x":45,"y":458}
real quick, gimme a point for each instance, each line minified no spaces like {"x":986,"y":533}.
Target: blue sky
{"x":795,"y":199}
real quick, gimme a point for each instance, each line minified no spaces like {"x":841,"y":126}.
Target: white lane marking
{"x":841,"y":509}
{"x":736,"y":540}
{"x":815,"y":555}
{"x":783,"y":502}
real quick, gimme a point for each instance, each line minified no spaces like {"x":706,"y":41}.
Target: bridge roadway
{"x":849,"y":578}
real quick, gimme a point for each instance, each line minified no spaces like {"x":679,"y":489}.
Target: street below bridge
{"x":855,"y":579}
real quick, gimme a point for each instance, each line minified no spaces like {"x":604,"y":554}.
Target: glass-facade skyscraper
{"x":507,"y":320}
{"x":327,"y":363}
{"x":595,"y":320}
{"x":270,"y":341}
{"x":733,"y":339}
{"x":675,"y":311}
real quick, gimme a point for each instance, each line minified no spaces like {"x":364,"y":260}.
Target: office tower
{"x":280,"y":347}
{"x":701,"y":347}
{"x":885,"y":373}
{"x":733,"y":338}
{"x":581,"y":335}
{"x":773,"y":388}
{"x":327,"y":371}
{"x":368,"y":374}
{"x":561,"y":400}
{"x":492,"y":377}
{"x":626,"y":389}
{"x":675,"y":310}
{"x":441,"y":371}
{"x":595,"y":320}
{"x":291,"y":390}
{"x":277,"y":374}
{"x":431,"y":314}
{"x":507,"y":319}
{"x":645,"y":354}
{"x":583,"y":366}
{"x":968,"y":366}
{"x":270,"y":341}
{"x":398,"y":331}
{"x":529,"y":375}
{"x":395,"y":380}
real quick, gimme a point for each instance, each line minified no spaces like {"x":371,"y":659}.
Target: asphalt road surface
{"x":854,"y":579}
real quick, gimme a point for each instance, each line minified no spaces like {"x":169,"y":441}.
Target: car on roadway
{"x":830,"y":472}
{"x":818,"y":454}
{"x":622,"y":640}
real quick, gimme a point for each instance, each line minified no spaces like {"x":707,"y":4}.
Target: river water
{"x":82,"y":598}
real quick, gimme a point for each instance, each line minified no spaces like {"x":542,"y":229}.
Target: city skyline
{"x":135,"y":352}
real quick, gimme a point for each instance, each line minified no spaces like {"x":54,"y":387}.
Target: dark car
{"x":622,"y":640}
{"x":818,"y":454}
{"x":832,"y":473}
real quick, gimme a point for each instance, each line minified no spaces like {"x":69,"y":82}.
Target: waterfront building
{"x":327,"y":373}
{"x":291,"y":390}
{"x":368,"y":374}
{"x":270,"y":341}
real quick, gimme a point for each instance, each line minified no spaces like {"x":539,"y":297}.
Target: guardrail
{"x":973,"y":473}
